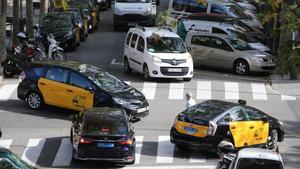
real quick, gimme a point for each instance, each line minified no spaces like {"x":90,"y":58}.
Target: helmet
{"x":22,"y":35}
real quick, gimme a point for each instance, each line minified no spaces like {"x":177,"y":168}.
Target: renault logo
{"x":174,"y":62}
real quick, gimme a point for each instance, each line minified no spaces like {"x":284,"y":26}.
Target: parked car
{"x":9,"y":160}
{"x":157,"y":53}
{"x":82,"y":22}
{"x":206,"y":124}
{"x":76,"y":86}
{"x":103,"y":4}
{"x":223,"y":51}
{"x":63,"y":27}
{"x":103,"y":134}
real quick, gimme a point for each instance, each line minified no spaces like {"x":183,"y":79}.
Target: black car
{"x":103,"y":4}
{"x":82,"y":22}
{"x":103,"y":134}
{"x":77,"y":86}
{"x":9,"y":160}
{"x":206,"y":124}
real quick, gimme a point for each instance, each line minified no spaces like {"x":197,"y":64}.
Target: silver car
{"x":224,"y":51}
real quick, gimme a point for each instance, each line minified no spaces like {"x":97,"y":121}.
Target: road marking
{"x":204,"y":90}
{"x":197,"y":157}
{"x":7,"y":90}
{"x":286,"y":97}
{"x":127,"y":82}
{"x":176,"y":91}
{"x":173,"y":167}
{"x":114,"y":62}
{"x":259,"y":91}
{"x":165,"y":150}
{"x":64,"y":155}
{"x":149,"y":90}
{"x":5,"y":143}
{"x":33,"y":151}
{"x":138,"y":148}
{"x":231,"y":91}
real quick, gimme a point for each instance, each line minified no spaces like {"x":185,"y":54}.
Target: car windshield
{"x":56,"y":21}
{"x":235,"y":11}
{"x":250,"y":163}
{"x":165,"y":45}
{"x":105,"y":125}
{"x":103,"y":79}
{"x":239,"y":44}
{"x":134,"y":1}
{"x":19,"y":161}
{"x":241,"y":35}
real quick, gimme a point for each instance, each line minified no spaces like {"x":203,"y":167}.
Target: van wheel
{"x":273,"y":142}
{"x":146,"y":73}
{"x":34,"y":100}
{"x":241,"y":67}
{"x":127,"y":68}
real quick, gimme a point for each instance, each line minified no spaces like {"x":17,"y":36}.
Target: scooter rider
{"x":23,"y":42}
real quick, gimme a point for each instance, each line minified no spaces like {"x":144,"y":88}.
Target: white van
{"x":186,"y":7}
{"x":134,"y":12}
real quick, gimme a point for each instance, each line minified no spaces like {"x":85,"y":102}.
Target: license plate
{"x":271,"y":64}
{"x":105,"y":145}
{"x":190,"y":130}
{"x":132,"y":24}
{"x":142,"y":109}
{"x":174,"y":70}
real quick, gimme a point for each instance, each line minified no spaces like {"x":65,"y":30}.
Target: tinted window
{"x":236,"y":114}
{"x":253,"y":114}
{"x":217,"y":30}
{"x":189,"y":6}
{"x":79,"y":80}
{"x":133,"y":40}
{"x":250,"y":163}
{"x":141,"y":45}
{"x":217,"y":9}
{"x":57,"y":74}
{"x":38,"y":71}
{"x":157,"y":44}
{"x":219,"y":43}
{"x":200,"y":40}
{"x":128,"y":38}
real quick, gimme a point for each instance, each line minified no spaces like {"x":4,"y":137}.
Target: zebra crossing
{"x":165,"y":154}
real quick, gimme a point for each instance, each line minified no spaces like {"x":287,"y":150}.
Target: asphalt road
{"x":42,"y":137}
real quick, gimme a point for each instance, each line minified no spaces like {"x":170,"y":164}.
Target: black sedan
{"x":103,"y":134}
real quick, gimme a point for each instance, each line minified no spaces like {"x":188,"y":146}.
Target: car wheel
{"x":59,"y":55}
{"x":187,"y":79}
{"x":8,"y":72}
{"x":34,"y":100}
{"x":273,"y":141}
{"x":181,"y":146}
{"x":241,"y":67}
{"x":127,"y":68}
{"x":146,"y":73}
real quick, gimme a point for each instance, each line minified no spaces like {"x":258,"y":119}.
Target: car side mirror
{"x":134,"y":120}
{"x":89,"y":88}
{"x":189,"y":49}
{"x":225,"y":147}
{"x":265,"y":119}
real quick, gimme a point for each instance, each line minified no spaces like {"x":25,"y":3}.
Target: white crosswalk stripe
{"x":231,"y":91}
{"x":5,"y":143}
{"x":176,"y":91}
{"x":7,"y":90}
{"x":259,"y":91}
{"x":33,"y":151}
{"x":165,"y":150}
{"x":138,"y":149}
{"x":204,"y":90}
{"x":149,"y":90}
{"x":64,"y":154}
{"x":286,"y":97}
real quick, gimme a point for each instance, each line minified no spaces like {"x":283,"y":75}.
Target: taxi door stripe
{"x":231,"y":91}
{"x":204,"y":90}
{"x":197,"y":157}
{"x":33,"y":151}
{"x":7,"y":90}
{"x":64,"y":154}
{"x":287,"y":97}
{"x":5,"y":143}
{"x":259,"y":91}
{"x":176,"y":91}
{"x":165,"y":150}
{"x":149,"y":90}
{"x":138,"y":148}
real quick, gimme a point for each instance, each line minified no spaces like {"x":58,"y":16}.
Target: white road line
{"x":64,"y":155}
{"x":231,"y":91}
{"x":114,"y":62}
{"x":259,"y":91}
{"x":173,"y":167}
{"x":165,"y":150}
{"x":204,"y":90}
{"x":176,"y":91}
{"x":7,"y":90}
{"x":5,"y":143}
{"x":286,"y":97}
{"x":138,"y":148}
{"x":127,"y":82}
{"x":33,"y":151}
{"x":197,"y":157}
{"x":149,"y":90}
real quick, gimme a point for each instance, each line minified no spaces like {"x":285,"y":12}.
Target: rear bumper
{"x":128,"y":19}
{"x":123,"y":160}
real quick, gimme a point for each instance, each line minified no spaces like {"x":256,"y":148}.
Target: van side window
{"x":200,"y":40}
{"x":217,"y":9}
{"x":219,"y":43}
{"x":133,"y":40}
{"x":217,"y":30}
{"x":128,"y":38}
{"x":141,"y":44}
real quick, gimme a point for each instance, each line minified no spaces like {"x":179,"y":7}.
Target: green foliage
{"x":163,"y":18}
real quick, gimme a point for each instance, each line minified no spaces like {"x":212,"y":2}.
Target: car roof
{"x":259,"y":154}
{"x":104,"y":111}
{"x":210,"y":34}
{"x":148,"y":31}
{"x":220,"y":2}
{"x":66,"y":64}
{"x":210,"y":17}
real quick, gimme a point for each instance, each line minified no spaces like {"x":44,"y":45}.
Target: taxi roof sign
{"x":242,"y":102}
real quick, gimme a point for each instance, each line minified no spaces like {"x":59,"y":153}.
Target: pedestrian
{"x":189,"y":101}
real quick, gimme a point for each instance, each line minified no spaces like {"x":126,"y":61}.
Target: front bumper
{"x":262,"y":67}
{"x":133,"y":19}
{"x":165,"y":70}
{"x":139,"y":112}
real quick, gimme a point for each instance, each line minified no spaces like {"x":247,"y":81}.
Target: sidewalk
{"x":286,"y":86}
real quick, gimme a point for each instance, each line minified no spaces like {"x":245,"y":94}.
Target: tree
{"x":16,"y":20}
{"x":3,"y":7}
{"x":43,"y":7}
{"x":29,"y":17}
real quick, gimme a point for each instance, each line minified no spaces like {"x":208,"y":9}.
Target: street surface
{"x":42,"y":137}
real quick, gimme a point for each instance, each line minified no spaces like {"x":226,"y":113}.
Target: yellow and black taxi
{"x":104,"y":134}
{"x":82,"y":22}
{"x":208,"y":123}
{"x":77,"y":86}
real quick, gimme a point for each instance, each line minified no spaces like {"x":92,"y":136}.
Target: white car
{"x":157,"y":53}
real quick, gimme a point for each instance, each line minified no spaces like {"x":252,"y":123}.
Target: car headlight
{"x":189,"y":59}
{"x":118,"y":11}
{"x":120,"y":101}
{"x":69,"y":35}
{"x":156,"y":59}
{"x":148,"y":11}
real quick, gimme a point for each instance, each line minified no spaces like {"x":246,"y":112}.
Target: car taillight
{"x":212,"y":128}
{"x":175,"y":121}
{"x":84,"y":141}
{"x":127,"y":142}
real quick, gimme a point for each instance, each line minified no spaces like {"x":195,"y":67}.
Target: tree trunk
{"x":3,"y":7}
{"x":16,"y":20}
{"x":29,"y":17}
{"x":43,"y":8}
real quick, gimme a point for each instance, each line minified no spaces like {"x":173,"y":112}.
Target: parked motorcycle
{"x":54,"y":51}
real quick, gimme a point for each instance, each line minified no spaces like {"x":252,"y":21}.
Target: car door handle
{"x":69,"y":90}
{"x":251,"y":127}
{"x":233,"y":127}
{"x":42,"y":84}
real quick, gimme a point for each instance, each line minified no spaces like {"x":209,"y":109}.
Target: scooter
{"x":54,"y":51}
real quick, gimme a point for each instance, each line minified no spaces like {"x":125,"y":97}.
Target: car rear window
{"x":250,"y":163}
{"x":105,"y":125}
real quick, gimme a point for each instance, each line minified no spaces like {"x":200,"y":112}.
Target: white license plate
{"x":174,"y":70}
{"x":142,"y":109}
